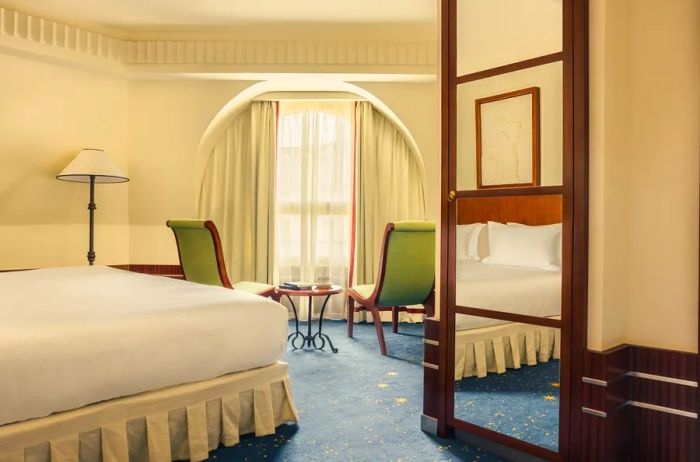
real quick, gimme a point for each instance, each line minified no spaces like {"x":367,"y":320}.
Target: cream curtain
{"x":389,"y":187}
{"x":238,"y":193}
{"x":314,"y":197}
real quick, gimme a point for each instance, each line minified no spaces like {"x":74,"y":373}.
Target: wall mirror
{"x":508,"y":259}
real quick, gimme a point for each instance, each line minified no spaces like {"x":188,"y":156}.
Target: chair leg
{"x":351,"y":315}
{"x":395,"y":319}
{"x":380,"y":331}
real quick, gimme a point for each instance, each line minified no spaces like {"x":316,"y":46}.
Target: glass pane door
{"x":507,"y":294}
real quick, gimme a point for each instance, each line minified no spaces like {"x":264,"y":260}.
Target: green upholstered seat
{"x":406,"y":275}
{"x":201,"y":256}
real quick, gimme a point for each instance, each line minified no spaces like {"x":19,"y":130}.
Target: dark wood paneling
{"x":431,"y":354}
{"x":665,"y":394}
{"x":632,"y":433}
{"x":529,"y":210}
{"x":593,"y":447}
{"x":660,"y":437}
{"x":676,"y":364}
{"x":173,"y":271}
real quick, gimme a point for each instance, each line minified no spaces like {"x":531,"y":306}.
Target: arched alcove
{"x":240,"y":102}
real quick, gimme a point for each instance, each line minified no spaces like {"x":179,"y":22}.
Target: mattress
{"x":75,"y":336}
{"x":510,"y":289}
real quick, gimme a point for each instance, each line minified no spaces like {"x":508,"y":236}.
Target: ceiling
{"x":125,"y":14}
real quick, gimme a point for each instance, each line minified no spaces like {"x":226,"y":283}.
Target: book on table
{"x":297,"y":285}
{"x":300,"y":285}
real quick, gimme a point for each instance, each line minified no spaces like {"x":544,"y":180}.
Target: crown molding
{"x":36,"y":37}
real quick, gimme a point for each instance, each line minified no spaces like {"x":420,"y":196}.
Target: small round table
{"x":308,"y":339}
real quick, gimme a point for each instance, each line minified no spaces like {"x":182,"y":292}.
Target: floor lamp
{"x":92,"y":166}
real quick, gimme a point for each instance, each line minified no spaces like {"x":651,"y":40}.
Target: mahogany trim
{"x":516,"y":191}
{"x":534,"y":93}
{"x":520,"y":445}
{"x":512,"y":317}
{"x":575,"y":218}
{"x":529,"y":210}
{"x":508,"y":68}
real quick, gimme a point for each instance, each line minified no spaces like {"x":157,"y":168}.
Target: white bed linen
{"x":76,"y":336}
{"x":512,"y":289}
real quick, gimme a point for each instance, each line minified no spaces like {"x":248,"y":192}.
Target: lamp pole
{"x":91,"y":208}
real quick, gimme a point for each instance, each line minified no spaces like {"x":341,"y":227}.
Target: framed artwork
{"x":508,"y":139}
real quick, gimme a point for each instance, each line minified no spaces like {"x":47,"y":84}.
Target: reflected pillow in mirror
{"x":557,"y":255}
{"x":528,"y":246}
{"x":468,"y":241}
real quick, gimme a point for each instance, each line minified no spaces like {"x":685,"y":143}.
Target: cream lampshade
{"x":92,"y":166}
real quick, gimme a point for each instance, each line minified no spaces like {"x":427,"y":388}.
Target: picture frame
{"x":508,"y":139}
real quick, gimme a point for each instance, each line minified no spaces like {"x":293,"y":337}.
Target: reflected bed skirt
{"x":494,"y":349}
{"x":175,"y":423}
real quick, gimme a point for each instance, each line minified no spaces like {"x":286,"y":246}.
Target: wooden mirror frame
{"x":574,"y":191}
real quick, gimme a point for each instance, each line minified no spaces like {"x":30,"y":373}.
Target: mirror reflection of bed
{"x":508,"y":261}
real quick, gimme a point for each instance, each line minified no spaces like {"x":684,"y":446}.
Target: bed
{"x":99,"y":363}
{"x":485,"y":345}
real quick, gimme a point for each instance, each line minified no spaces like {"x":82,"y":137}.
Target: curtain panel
{"x":389,"y":187}
{"x":314,"y":197}
{"x":238,"y":193}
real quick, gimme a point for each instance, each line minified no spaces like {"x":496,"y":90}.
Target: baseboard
{"x":428,"y":424}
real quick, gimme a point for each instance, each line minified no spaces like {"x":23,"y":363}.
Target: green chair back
{"x":407,"y":269}
{"x":199,"y":248}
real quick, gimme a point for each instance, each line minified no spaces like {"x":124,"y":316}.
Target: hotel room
{"x":401,"y":230}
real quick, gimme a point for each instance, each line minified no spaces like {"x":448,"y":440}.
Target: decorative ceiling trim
{"x":27,"y":32}
{"x":52,"y":40}
{"x":281,"y":52}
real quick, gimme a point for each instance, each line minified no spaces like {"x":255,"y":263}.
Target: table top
{"x":313,"y":292}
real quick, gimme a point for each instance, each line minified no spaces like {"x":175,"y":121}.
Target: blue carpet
{"x":357,"y":405}
{"x":523,"y":403}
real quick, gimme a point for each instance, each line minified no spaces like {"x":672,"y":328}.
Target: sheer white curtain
{"x":314,"y":197}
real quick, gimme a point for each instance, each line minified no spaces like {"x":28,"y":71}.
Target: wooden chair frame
{"x":371,"y":303}
{"x":220,"y":262}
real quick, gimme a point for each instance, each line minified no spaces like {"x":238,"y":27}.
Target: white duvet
{"x":512,"y":289}
{"x":75,"y":336}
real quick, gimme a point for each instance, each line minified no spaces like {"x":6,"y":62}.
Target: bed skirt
{"x":176,"y":423}
{"x":479,"y":352}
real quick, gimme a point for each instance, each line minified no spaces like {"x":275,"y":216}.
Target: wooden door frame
{"x":575,"y":188}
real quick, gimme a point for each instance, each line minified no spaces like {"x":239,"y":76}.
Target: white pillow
{"x":467,"y":241}
{"x":557,"y":259}
{"x":528,"y":246}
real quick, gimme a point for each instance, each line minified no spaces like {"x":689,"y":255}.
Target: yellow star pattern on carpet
{"x":554,"y":384}
{"x":383,"y":385}
{"x":550,"y":398}
{"x":400,"y":401}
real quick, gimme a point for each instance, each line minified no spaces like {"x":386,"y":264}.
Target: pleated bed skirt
{"x":176,"y":423}
{"x":495,"y":349}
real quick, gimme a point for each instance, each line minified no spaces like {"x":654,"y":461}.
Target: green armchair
{"x":202,"y":258}
{"x":406,"y":277}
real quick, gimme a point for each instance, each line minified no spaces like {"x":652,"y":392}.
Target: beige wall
{"x":167,"y":121}
{"x":48,"y":114}
{"x":645,"y":145}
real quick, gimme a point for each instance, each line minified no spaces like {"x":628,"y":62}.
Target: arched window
{"x":314,"y":192}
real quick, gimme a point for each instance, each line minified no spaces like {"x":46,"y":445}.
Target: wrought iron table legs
{"x":308,"y":339}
